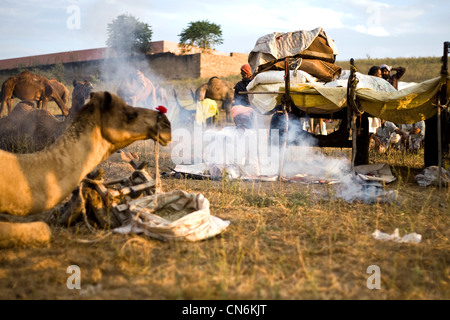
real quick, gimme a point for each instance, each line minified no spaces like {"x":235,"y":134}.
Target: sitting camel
{"x":137,"y":89}
{"x":36,"y":182}
{"x":28,"y":129}
{"x":219,"y":90}
{"x":33,"y":87}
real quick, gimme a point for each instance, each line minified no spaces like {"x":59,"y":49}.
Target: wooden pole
{"x":352,"y":108}
{"x":442,"y":102}
{"x":285,"y":101}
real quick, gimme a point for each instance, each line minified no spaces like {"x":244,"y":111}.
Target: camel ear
{"x":107,"y":99}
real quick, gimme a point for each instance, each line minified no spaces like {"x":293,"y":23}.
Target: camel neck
{"x":45,"y":178}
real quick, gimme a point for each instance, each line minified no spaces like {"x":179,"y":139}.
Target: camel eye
{"x":131,"y":116}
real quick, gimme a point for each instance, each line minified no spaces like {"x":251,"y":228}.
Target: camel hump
{"x":215,"y":78}
{"x":24,"y":105}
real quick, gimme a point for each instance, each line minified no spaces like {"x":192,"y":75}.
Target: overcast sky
{"x":360,"y":28}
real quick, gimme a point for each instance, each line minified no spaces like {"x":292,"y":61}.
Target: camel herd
{"x":64,"y":151}
{"x":29,"y":129}
{"x":58,"y":153}
{"x":34,"y":87}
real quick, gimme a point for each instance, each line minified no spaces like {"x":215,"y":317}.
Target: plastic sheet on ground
{"x":175,"y":215}
{"x":408,"y":238}
{"x":353,"y":187}
{"x":430,"y":176}
{"x":375,"y":172}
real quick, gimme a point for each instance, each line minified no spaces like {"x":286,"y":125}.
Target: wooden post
{"x":285,"y":101}
{"x":431,"y":146}
{"x":352,"y":108}
{"x":442,"y":102}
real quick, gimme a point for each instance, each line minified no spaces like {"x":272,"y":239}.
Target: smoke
{"x":300,"y":158}
{"x":351,"y":188}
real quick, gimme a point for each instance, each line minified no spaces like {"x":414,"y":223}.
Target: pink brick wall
{"x":221,"y":65}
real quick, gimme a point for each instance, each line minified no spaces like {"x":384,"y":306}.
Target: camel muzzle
{"x":163,"y":130}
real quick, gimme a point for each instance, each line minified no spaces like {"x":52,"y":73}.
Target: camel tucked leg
{"x":24,"y":234}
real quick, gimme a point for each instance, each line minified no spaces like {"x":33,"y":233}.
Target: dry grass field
{"x":285,"y":241}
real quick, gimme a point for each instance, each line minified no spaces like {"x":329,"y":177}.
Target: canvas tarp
{"x":206,"y":109}
{"x":279,"y":45}
{"x":412,"y":104}
{"x":174,"y":215}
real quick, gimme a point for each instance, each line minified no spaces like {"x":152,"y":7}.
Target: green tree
{"x":127,"y":35}
{"x":203,"y":34}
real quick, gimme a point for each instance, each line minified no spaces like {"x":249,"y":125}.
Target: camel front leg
{"x":2,"y":106}
{"x":9,"y":104}
{"x":227,"y":106}
{"x":40,"y":104}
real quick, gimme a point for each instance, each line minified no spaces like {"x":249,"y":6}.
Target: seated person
{"x":234,"y":148}
{"x":385,"y":136}
{"x":412,"y":135}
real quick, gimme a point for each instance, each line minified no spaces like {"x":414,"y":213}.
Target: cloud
{"x":37,"y":27}
{"x":376,"y":31}
{"x":382,"y":20}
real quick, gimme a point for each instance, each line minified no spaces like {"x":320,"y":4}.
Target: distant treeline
{"x":417,"y":69}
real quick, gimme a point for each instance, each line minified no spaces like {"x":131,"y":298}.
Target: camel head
{"x":122,"y":124}
{"x":81,"y":92}
{"x":82,"y":88}
{"x":200,"y":93}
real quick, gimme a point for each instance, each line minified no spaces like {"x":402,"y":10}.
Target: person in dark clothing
{"x":392,"y":78}
{"x":242,"y":99}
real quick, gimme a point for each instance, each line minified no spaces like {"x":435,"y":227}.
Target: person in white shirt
{"x":385,"y":136}
{"x":413,"y":135}
{"x":234,"y":149}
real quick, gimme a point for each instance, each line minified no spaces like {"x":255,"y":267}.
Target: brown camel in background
{"x":28,"y":129}
{"x":32,"y":87}
{"x":137,"y":89}
{"x":81,"y":92}
{"x":219,"y":90}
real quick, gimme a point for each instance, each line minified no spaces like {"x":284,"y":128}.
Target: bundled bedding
{"x":318,"y":86}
